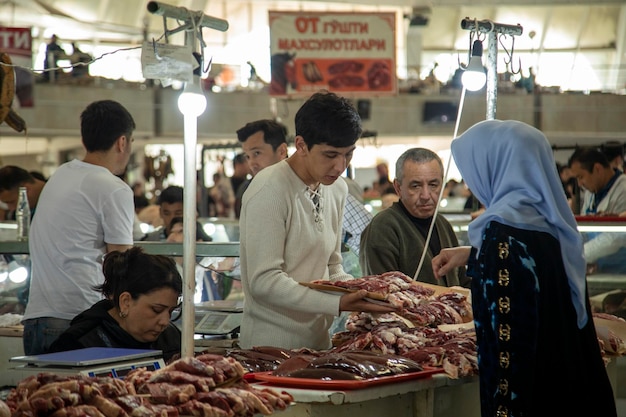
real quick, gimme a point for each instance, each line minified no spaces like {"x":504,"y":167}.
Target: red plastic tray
{"x":600,"y":219}
{"x":308,"y":383}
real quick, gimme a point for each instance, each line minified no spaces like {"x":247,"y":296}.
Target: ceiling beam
{"x":436,"y":3}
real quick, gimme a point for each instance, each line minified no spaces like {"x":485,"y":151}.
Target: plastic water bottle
{"x":22,"y":215}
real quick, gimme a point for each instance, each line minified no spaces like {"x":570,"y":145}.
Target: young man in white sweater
{"x":290,"y":232}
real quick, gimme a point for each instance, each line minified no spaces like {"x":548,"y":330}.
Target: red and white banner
{"x":18,"y":43}
{"x":340,"y":52}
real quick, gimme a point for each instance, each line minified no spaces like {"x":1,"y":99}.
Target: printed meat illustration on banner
{"x":339,"y":52}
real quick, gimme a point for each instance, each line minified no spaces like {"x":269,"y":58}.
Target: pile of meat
{"x":346,"y":366}
{"x":264,"y":358}
{"x":411,"y":334}
{"x":416,"y":302}
{"x":431,"y":328}
{"x":413,"y":331}
{"x":207,"y":385}
{"x":611,"y":331}
{"x":453,"y":350}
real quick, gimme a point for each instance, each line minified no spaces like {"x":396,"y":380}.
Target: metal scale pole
{"x":190,"y":181}
{"x":492,"y":30}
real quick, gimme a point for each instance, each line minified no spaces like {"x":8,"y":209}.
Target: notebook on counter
{"x":88,"y":356}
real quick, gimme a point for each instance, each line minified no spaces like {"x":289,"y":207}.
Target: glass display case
{"x":602,"y":276}
{"x":607,"y":272}
{"x":218,"y":258}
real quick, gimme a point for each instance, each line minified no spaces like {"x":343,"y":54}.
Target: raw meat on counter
{"x":265,"y":358}
{"x":384,"y":284}
{"x":417,"y":303}
{"x":347,"y":365}
{"x":611,"y":332}
{"x":453,"y":350}
{"x":432,"y":328}
{"x":207,"y":385}
{"x":411,"y":333}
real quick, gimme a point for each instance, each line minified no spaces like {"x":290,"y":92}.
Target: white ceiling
{"x":561,"y":24}
{"x":588,"y":26}
{"x":593,"y":29}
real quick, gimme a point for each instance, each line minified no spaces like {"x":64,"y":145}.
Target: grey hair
{"x":419,"y":155}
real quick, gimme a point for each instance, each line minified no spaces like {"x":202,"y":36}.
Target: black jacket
{"x":96,"y":328}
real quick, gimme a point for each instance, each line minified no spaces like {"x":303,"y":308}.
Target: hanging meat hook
{"x":509,"y":61}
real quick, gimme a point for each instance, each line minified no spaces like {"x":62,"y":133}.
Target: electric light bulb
{"x":192,"y":101}
{"x":17,"y":272}
{"x":474,"y":76}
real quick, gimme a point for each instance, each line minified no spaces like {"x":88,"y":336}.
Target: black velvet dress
{"x":533,"y":358}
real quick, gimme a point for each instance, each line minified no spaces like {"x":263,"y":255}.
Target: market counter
{"x":10,"y":346}
{"x":437,"y":396}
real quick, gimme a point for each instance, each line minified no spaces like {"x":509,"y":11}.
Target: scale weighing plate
{"x":95,"y":361}
{"x":218,"y":317}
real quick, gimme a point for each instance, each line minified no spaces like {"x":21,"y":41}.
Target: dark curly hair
{"x":138,"y":273}
{"x":326,"y":118}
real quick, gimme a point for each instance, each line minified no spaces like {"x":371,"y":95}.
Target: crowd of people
{"x":301,"y":219}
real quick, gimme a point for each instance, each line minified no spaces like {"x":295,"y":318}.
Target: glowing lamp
{"x":474,"y":76}
{"x":17,"y":273}
{"x":192,"y":101}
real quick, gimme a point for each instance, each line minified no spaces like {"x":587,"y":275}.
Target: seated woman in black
{"x":140,"y":291}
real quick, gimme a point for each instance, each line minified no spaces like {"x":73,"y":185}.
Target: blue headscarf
{"x":509,"y":167}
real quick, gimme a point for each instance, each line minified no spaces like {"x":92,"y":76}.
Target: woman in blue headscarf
{"x":538,"y":352}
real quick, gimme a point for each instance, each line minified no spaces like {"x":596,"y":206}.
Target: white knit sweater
{"x":282,"y":245}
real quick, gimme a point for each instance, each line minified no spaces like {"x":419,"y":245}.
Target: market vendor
{"x":396,"y":238}
{"x":290,"y":232}
{"x":140,"y":291}
{"x":604,"y":195}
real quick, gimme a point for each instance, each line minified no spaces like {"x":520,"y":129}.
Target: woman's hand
{"x":450,"y":258}
{"x":355,"y":301}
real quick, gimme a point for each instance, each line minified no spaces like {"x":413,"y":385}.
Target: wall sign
{"x":340,"y":52}
{"x":18,"y":43}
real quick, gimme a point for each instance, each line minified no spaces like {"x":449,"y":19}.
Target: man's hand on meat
{"x":355,"y":301}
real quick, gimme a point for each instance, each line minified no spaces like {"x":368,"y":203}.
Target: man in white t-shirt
{"x":84,"y":212}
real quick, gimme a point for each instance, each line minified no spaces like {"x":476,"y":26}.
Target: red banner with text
{"x":18,"y":43}
{"x":340,"y":52}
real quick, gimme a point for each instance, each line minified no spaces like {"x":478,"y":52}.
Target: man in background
{"x":614,"y":152}
{"x":170,"y":203}
{"x":264,"y":142}
{"x":54,"y":52}
{"x":396,"y":237}
{"x":604,"y":194}
{"x":84,"y":211}
{"x":604,"y":186}
{"x":240,"y":175}
{"x":11,"y":179}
